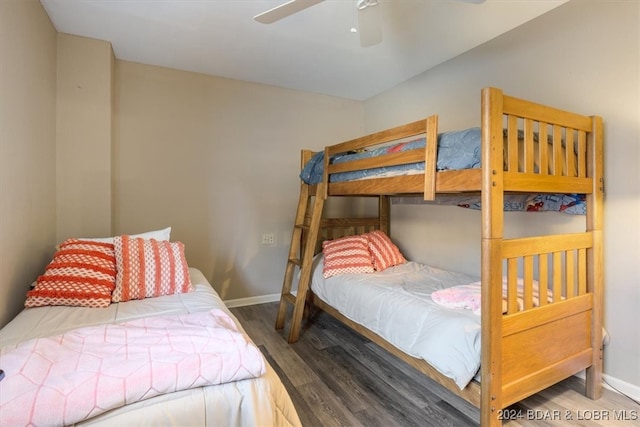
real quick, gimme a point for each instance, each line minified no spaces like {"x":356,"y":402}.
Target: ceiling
{"x":313,"y":50}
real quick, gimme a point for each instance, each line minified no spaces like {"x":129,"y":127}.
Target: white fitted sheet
{"x":396,"y":304}
{"x":260,"y":401}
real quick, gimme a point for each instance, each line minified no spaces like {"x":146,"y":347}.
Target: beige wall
{"x":217,"y":160}
{"x":214,"y":158}
{"x":584,"y":57}
{"x":84,"y":137}
{"x":27,"y":148}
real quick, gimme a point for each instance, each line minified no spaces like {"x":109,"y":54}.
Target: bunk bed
{"x":525,"y":148}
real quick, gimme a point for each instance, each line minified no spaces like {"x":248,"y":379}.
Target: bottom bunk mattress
{"x":259,"y":399}
{"x":396,"y":304}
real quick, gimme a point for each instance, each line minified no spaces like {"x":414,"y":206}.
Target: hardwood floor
{"x":338,"y":378}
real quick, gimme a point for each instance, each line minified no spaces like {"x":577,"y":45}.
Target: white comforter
{"x":250,"y":402}
{"x":396,"y":304}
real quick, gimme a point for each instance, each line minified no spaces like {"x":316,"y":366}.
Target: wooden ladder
{"x":301,"y":251}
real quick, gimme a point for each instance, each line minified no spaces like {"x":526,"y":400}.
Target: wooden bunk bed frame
{"x":523,"y":350}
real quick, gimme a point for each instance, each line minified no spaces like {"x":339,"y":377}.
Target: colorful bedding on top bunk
{"x":572,"y":204}
{"x":457,"y":150}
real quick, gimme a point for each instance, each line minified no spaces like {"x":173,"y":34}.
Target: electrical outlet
{"x":268,"y":239}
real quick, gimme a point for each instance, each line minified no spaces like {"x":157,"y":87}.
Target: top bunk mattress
{"x":456,"y":150}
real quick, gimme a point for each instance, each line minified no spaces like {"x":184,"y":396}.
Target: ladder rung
{"x":290,"y":298}
{"x":295,"y":261}
{"x":302,"y":226}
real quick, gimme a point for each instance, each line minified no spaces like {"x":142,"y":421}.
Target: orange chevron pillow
{"x":149,"y":268}
{"x":81,"y":274}
{"x":346,"y":255}
{"x":384,"y":253}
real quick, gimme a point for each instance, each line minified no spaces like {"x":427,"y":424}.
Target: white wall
{"x":27,"y":149}
{"x":583,"y":57}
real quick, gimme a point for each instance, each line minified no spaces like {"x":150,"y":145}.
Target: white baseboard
{"x":241,"y":302}
{"x":617,"y":385}
{"x":629,"y":389}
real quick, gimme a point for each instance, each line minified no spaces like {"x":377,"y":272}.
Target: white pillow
{"x":164,"y":234}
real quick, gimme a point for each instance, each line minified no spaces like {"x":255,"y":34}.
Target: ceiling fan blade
{"x":370,"y":25}
{"x":284,"y":10}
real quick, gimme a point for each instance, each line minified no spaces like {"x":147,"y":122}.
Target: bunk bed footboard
{"x":551,"y":328}
{"x":545,"y":346}
{"x":548,"y":327}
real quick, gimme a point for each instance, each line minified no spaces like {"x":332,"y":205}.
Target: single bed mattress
{"x":249,"y":402}
{"x":396,"y":304}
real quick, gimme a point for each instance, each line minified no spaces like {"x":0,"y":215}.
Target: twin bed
{"x":180,"y":358}
{"x":538,"y":307}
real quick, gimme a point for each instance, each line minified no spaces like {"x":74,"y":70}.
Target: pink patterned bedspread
{"x":84,"y":372}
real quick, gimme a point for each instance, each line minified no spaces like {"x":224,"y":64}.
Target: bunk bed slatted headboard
{"x":331,"y":229}
{"x":525,"y":150}
{"x":553,"y":145}
{"x":548,"y":143}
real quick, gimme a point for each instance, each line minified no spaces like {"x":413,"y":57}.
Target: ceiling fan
{"x":369,"y":17}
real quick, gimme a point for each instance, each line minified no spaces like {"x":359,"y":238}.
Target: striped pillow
{"x":149,"y":268}
{"x":384,"y":253}
{"x":81,"y":274}
{"x":346,"y":255}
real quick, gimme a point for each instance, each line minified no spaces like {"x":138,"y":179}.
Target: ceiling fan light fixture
{"x":369,"y":17}
{"x":289,"y":8}
{"x":363,"y":4}
{"x":369,"y":22}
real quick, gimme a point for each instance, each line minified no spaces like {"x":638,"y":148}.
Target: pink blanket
{"x":77,"y":375}
{"x":468,"y":296}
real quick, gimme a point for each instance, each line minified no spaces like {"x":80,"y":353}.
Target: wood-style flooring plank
{"x":336,"y":377}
